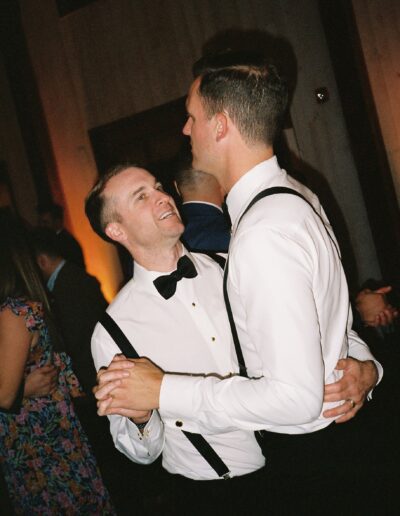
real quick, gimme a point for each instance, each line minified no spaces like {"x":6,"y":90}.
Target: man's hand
{"x":373,"y":307}
{"x":41,"y":381}
{"x":129,"y":388}
{"x":357,"y":381}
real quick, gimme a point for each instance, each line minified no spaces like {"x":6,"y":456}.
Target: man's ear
{"x":221,"y":126}
{"x":115,"y":232}
{"x":41,"y":260}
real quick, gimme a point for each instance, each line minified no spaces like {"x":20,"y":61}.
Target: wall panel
{"x":378,"y":23}
{"x":116,"y":58}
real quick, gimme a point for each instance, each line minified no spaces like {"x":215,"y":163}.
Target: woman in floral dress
{"x":44,"y":455}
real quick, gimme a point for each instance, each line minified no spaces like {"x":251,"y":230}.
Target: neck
{"x":161,"y":260}
{"x":239,"y":163}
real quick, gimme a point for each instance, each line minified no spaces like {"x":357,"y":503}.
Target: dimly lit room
{"x":146,"y":144}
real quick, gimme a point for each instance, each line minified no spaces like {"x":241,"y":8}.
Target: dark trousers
{"x":340,"y":470}
{"x":242,"y":495}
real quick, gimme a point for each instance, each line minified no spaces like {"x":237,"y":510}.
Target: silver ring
{"x":353,"y":403}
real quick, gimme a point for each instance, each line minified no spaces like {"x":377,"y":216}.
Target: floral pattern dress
{"x":44,"y":454}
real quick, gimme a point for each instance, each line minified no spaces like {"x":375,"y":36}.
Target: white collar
{"x":204,"y":202}
{"x":248,"y":186}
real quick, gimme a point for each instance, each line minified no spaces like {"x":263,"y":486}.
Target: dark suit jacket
{"x":78,"y":305}
{"x":206,"y":228}
{"x":69,"y":248}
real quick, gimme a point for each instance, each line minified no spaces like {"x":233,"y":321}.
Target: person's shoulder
{"x":282,"y":211}
{"x":209,"y":259}
{"x":31,"y":311}
{"x":72,"y":270}
{"x":121,"y":302}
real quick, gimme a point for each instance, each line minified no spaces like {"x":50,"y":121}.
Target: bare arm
{"x":15,"y":340}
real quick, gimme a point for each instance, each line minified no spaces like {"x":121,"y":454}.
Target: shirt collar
{"x":204,"y":202}
{"x":243,"y":191}
{"x":51,"y":281}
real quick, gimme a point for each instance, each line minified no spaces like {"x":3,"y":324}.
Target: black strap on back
{"x":265,"y":193}
{"x":216,"y":257}
{"x":197,"y":440}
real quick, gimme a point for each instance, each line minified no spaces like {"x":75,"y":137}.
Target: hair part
{"x":99,"y":210}
{"x":248,"y":88}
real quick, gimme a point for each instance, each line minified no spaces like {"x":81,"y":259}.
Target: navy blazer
{"x":206,"y":228}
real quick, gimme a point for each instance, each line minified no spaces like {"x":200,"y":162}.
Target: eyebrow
{"x":138,"y":190}
{"x":143,"y":187}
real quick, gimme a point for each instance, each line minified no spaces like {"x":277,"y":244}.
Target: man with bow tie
{"x":173,"y":312}
{"x":179,"y":321}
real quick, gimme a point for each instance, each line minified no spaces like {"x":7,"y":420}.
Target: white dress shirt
{"x":187,"y":333}
{"x":290,"y":302}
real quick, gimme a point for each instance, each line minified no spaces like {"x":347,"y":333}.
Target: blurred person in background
{"x":44,"y":454}
{"x":51,"y":216}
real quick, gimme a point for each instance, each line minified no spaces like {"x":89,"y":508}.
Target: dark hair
{"x":19,"y":274}
{"x":44,"y":240}
{"x":248,"y":88}
{"x":98,"y":211}
{"x":55,"y":210}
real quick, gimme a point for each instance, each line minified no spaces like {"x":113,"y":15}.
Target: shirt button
{"x":193,"y":304}
{"x":178,"y":424}
{"x":213,"y":339}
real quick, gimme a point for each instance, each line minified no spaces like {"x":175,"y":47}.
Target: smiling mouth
{"x":167,"y":214}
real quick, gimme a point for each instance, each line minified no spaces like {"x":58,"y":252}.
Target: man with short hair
{"x":287,"y":292}
{"x":184,"y":331}
{"x":51,"y":215}
{"x":206,"y":225}
{"x":187,"y":331}
{"x":78,"y":303}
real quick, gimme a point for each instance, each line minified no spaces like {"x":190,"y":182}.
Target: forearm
{"x":209,"y":405}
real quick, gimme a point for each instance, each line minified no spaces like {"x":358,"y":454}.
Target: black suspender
{"x":265,"y":193}
{"x":284,"y":190}
{"x":197,"y":440}
{"x":118,"y":336}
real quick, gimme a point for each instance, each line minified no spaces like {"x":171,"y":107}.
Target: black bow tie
{"x":166,"y":285}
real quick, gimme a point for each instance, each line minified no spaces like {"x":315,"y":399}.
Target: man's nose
{"x":162,"y":197}
{"x":187,"y":127}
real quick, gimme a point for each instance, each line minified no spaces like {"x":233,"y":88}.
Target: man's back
{"x":206,"y":227}
{"x":79,"y":304}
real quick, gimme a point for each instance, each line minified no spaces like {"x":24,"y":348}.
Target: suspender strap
{"x":284,"y":190}
{"x":197,"y":440}
{"x":214,"y":256}
{"x":224,"y":263}
{"x":238,"y":349}
{"x":265,"y":193}
{"x":209,"y":454}
{"x":118,"y":336}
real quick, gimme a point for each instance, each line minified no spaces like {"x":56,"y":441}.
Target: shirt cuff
{"x":176,"y":399}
